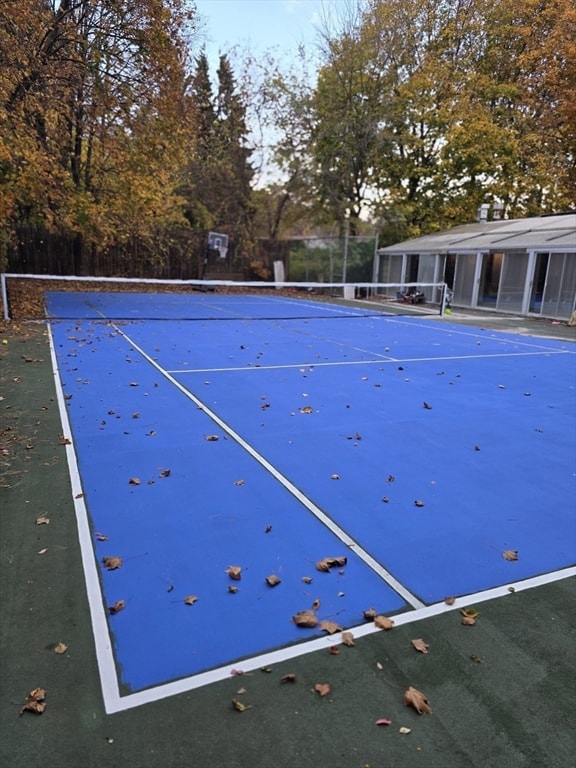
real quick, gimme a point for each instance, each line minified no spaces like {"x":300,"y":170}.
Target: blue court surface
{"x":270,"y":433}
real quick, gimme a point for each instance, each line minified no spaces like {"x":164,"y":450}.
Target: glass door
{"x":512,"y":282}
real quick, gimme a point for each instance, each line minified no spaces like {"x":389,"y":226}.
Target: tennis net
{"x":58,"y":297}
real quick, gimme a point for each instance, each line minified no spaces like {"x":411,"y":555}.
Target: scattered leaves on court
{"x":370,"y":614}
{"x":190,"y":599}
{"x":235,"y":572}
{"x":383,"y":622}
{"x":273,"y":580}
{"x":112,"y":563}
{"x":469,"y":616}
{"x":416,"y":699}
{"x":420,"y":645}
{"x":348,"y":639}
{"x":42,"y":521}
{"x":322,"y":688}
{"x":118,"y":606}
{"x":330,"y":562}
{"x":510,"y":554}
{"x":35,"y":702}
{"x":134,"y":481}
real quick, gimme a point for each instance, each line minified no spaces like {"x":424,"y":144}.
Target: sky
{"x":259,"y":24}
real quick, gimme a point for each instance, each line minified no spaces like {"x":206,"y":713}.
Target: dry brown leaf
{"x":165,"y":473}
{"x":404,"y":730}
{"x":134,"y":481}
{"x":449,"y":600}
{"x":190,"y":599}
{"x":468,"y":621}
{"x":112,"y":563}
{"x":419,"y":503}
{"x":330,"y":562}
{"x":333,"y":650}
{"x":415,"y":698}
{"x":510,"y":554}
{"x":470,"y":613}
{"x":65,"y":440}
{"x":307,"y":579}
{"x":239,"y":706}
{"x":348,"y":639}
{"x":316,"y":604}
{"x":330,"y":626}
{"x":273,"y":580}
{"x":212,"y":438}
{"x":383,"y":622}
{"x":238,"y":482}
{"x":235,"y":572}
{"x":61,"y":648}
{"x":118,"y":606}
{"x":370,"y":614}
{"x":307,"y":409}
{"x":232,"y":589}
{"x":322,"y":688}
{"x":35,"y":702}
{"x":420,"y":645}
{"x":289,"y":678}
{"x":42,"y":521}
{"x":305,"y":619}
{"x":101,"y":536}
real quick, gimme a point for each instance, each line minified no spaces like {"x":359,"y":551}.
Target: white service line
{"x":323,"y":643}
{"x":382,"y":361}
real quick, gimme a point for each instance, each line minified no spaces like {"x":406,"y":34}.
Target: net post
{"x":5,"y":297}
{"x":444,"y":299}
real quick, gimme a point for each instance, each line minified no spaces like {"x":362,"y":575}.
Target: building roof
{"x":557,"y":233}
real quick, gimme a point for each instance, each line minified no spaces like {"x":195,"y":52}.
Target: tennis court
{"x":214,"y":432}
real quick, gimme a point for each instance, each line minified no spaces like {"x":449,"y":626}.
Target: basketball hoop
{"x":218,"y":242}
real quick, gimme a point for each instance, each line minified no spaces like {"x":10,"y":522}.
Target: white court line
{"x":104,"y":654}
{"x":382,"y":361}
{"x":323,"y":643}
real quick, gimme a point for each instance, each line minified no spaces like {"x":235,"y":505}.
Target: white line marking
{"x":382,"y":361}
{"x":104,"y":654}
{"x":323,"y":643}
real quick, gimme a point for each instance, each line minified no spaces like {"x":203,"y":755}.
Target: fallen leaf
{"x":35,"y":702}
{"x":383,"y":622}
{"x":101,"y":537}
{"x":268,"y":529}
{"x":241,"y":691}
{"x":307,"y":579}
{"x":190,"y":599}
{"x":211,"y":438}
{"x":420,"y":645}
{"x":476,"y":658}
{"x":449,"y":600}
{"x":268,"y":670}
{"x":468,"y":621}
{"x":112,"y":563}
{"x":322,"y":688}
{"x":333,"y":650}
{"x":238,"y":482}
{"x":289,"y":678}
{"x":383,"y":721}
{"x":239,"y":706}
{"x":418,"y":503}
{"x":65,"y":440}
{"x":273,"y":580}
{"x":415,"y":698}
{"x":391,"y":479}
{"x":510,"y":554}
{"x":330,"y":626}
{"x":330,"y":562}
{"x":133,"y":383}
{"x":232,"y":589}
{"x":348,"y":639}
{"x":60,"y":648}
{"x":335,"y":477}
{"x":43,"y":551}
{"x":316,"y":604}
{"x":134,"y":481}
{"x":165,"y":473}
{"x":511,"y":589}
{"x":118,"y":606}
{"x":136,"y":415}
{"x":379,"y":665}
{"x":370,"y":614}
{"x":404,"y":729}
{"x":427,"y":405}
{"x":42,"y":521}
{"x":305,"y":619}
{"x":235,"y":572}
{"x":469,"y":613}
{"x":307,"y":409}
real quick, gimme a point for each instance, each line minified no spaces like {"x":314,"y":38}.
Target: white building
{"x":521,"y":266}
